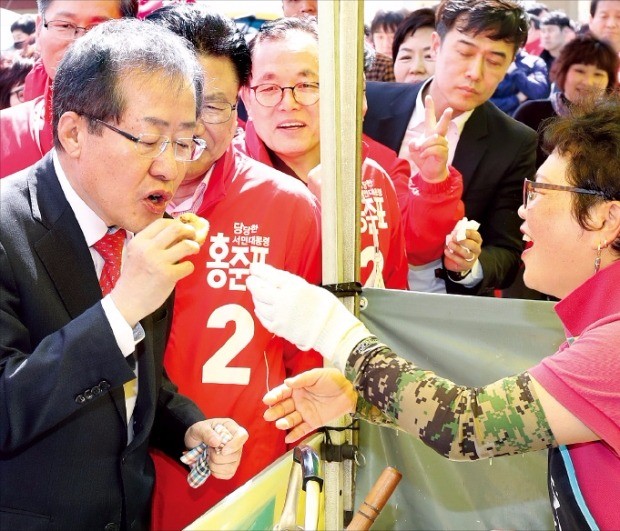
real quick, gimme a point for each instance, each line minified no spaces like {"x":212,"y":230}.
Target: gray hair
{"x":277,"y":30}
{"x":88,"y":79}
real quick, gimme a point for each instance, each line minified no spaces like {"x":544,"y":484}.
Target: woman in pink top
{"x":569,"y":403}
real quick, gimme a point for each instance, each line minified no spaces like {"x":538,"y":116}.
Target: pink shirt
{"x":585,"y":378}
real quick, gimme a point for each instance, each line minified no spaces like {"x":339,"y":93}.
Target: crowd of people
{"x":17,"y":61}
{"x":125,"y":342}
{"x":530,"y":75}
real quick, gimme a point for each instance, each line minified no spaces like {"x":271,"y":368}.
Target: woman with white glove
{"x":569,"y":402}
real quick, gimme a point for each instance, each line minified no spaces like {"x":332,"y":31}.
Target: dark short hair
{"x":276,"y":30}
{"x":89,"y":77}
{"x":557,"y":18}
{"x":420,"y":18}
{"x":534,"y":21}
{"x":386,"y":20}
{"x":11,"y":76}
{"x":585,"y":50}
{"x":129,"y":8}
{"x":581,"y":28}
{"x":26,"y":24}
{"x":499,"y":20}
{"x":593,"y":7}
{"x":210,"y":34}
{"x":590,"y":138}
{"x":536,"y":9}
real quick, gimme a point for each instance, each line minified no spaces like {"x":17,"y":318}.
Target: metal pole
{"x":341,"y":66}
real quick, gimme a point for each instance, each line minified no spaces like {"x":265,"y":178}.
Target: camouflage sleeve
{"x":458,"y":422}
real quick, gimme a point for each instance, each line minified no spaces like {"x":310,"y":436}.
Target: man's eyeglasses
{"x":66,"y":30}
{"x":217,"y":112}
{"x":19,"y":93}
{"x":269,"y":95}
{"x":152,"y":146}
{"x":530,"y":187}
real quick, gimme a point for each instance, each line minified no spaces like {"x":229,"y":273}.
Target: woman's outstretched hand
{"x":308,"y":401}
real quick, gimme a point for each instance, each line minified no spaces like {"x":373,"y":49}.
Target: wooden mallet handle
{"x":375,"y":500}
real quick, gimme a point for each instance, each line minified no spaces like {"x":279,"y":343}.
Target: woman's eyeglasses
{"x":530,"y":188}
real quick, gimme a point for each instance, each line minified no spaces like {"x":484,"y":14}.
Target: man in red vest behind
{"x":26,"y":129}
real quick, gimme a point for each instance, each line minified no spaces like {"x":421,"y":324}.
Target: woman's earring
{"x":597,"y":260}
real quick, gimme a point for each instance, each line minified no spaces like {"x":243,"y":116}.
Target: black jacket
{"x":64,"y":459}
{"x":495,"y":154}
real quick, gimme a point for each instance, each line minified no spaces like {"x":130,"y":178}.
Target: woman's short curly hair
{"x":589,"y":137}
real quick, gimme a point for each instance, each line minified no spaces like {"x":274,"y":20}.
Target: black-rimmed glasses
{"x":217,"y":112}
{"x":66,"y":30}
{"x":530,"y":187}
{"x":152,"y":146}
{"x":270,"y":94}
{"x":18,"y":92}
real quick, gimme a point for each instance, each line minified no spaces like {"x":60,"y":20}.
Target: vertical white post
{"x":341,"y":66}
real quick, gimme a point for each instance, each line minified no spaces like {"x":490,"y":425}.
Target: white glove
{"x":308,"y":316}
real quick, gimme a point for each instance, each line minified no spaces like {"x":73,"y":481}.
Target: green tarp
{"x":472,"y":341}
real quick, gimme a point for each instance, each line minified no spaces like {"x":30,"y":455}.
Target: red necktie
{"x":110,"y":247}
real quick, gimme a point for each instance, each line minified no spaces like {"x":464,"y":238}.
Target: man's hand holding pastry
{"x":153,"y":264}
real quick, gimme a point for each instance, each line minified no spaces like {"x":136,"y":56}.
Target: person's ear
{"x":612,"y":221}
{"x":72,"y":129}
{"x":244,"y":94}
{"x":607,"y":217}
{"x":435,"y":45}
{"x":39,"y":25}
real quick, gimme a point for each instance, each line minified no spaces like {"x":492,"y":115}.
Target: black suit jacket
{"x":494,"y":154}
{"x":64,"y":459}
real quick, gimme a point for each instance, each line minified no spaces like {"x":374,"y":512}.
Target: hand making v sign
{"x":430,"y":151}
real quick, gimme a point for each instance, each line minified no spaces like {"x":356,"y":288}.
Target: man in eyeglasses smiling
{"x":26,"y":130}
{"x":283,"y":130}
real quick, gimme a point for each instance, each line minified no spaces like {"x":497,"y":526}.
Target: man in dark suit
{"x":474,"y":44}
{"x":76,"y":417}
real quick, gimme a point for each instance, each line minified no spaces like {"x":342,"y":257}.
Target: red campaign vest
{"x":218,"y":353}
{"x":26,"y":132}
{"x":382,"y":238}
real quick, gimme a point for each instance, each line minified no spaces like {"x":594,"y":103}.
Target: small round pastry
{"x":201,"y":226}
